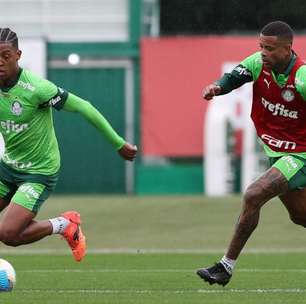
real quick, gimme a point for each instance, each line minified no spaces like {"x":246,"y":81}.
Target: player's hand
{"x":128,"y":151}
{"x":210,"y":91}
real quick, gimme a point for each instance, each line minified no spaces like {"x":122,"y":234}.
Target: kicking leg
{"x":272,"y":183}
{"x":17,"y":226}
{"x":269,"y":185}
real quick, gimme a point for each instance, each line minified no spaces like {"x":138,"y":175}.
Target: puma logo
{"x":267,"y":83}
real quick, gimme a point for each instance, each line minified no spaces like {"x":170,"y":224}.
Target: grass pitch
{"x":155,"y":278}
{"x":147,"y":249}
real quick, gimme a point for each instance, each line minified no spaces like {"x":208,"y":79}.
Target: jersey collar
{"x":289,"y":67}
{"x":291,"y":64}
{"x":12,"y":83}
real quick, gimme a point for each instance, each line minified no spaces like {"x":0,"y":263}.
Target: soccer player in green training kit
{"x":279,"y":115}
{"x":31,"y":162}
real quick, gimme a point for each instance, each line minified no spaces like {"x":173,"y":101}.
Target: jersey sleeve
{"x":235,"y":79}
{"x":50,"y":95}
{"x":253,"y":64}
{"x":92,"y":115}
{"x":300,"y":81}
{"x":246,"y":71}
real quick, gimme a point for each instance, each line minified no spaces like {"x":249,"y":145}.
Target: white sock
{"x":59,"y":224}
{"x":228,"y":264}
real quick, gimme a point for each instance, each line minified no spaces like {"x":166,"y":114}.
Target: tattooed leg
{"x":272,"y":183}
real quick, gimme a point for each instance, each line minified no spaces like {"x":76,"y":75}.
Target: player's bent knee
{"x":251,"y":197}
{"x":9,"y":237}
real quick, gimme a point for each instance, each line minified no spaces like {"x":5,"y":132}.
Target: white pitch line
{"x":149,"y":291}
{"x":19,"y":251}
{"x":270,"y":270}
{"x":102,"y":270}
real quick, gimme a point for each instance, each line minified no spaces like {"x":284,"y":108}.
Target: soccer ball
{"x":7,"y":276}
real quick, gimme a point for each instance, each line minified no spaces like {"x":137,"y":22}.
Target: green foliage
{"x":228,"y":16}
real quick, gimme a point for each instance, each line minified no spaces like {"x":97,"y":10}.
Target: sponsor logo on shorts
{"x":29,"y":191}
{"x":290,"y":163}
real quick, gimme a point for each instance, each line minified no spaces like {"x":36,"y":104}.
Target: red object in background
{"x":173,"y":74}
{"x":238,"y":133}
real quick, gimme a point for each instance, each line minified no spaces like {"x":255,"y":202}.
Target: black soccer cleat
{"x":215,"y":274}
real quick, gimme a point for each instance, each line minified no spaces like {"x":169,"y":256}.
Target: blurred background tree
{"x":198,"y":17}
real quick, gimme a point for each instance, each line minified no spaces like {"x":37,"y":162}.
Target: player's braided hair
{"x":278,"y":28}
{"x":8,"y":36}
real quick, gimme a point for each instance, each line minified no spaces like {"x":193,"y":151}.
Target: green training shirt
{"x":26,"y":123}
{"x":249,"y":70}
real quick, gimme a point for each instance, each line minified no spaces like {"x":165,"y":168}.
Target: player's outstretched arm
{"x":76,"y":104}
{"x":231,"y":81}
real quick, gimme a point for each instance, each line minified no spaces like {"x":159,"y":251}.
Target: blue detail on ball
{"x":5,"y":284}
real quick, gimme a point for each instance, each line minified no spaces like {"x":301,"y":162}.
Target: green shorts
{"x":293,"y":168}
{"x":24,"y":189}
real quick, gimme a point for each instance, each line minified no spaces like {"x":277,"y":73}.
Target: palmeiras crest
{"x":16,"y":108}
{"x":288,"y":95}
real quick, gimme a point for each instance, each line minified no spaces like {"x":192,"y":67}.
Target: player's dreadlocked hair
{"x":278,"y":28}
{"x":8,"y":36}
